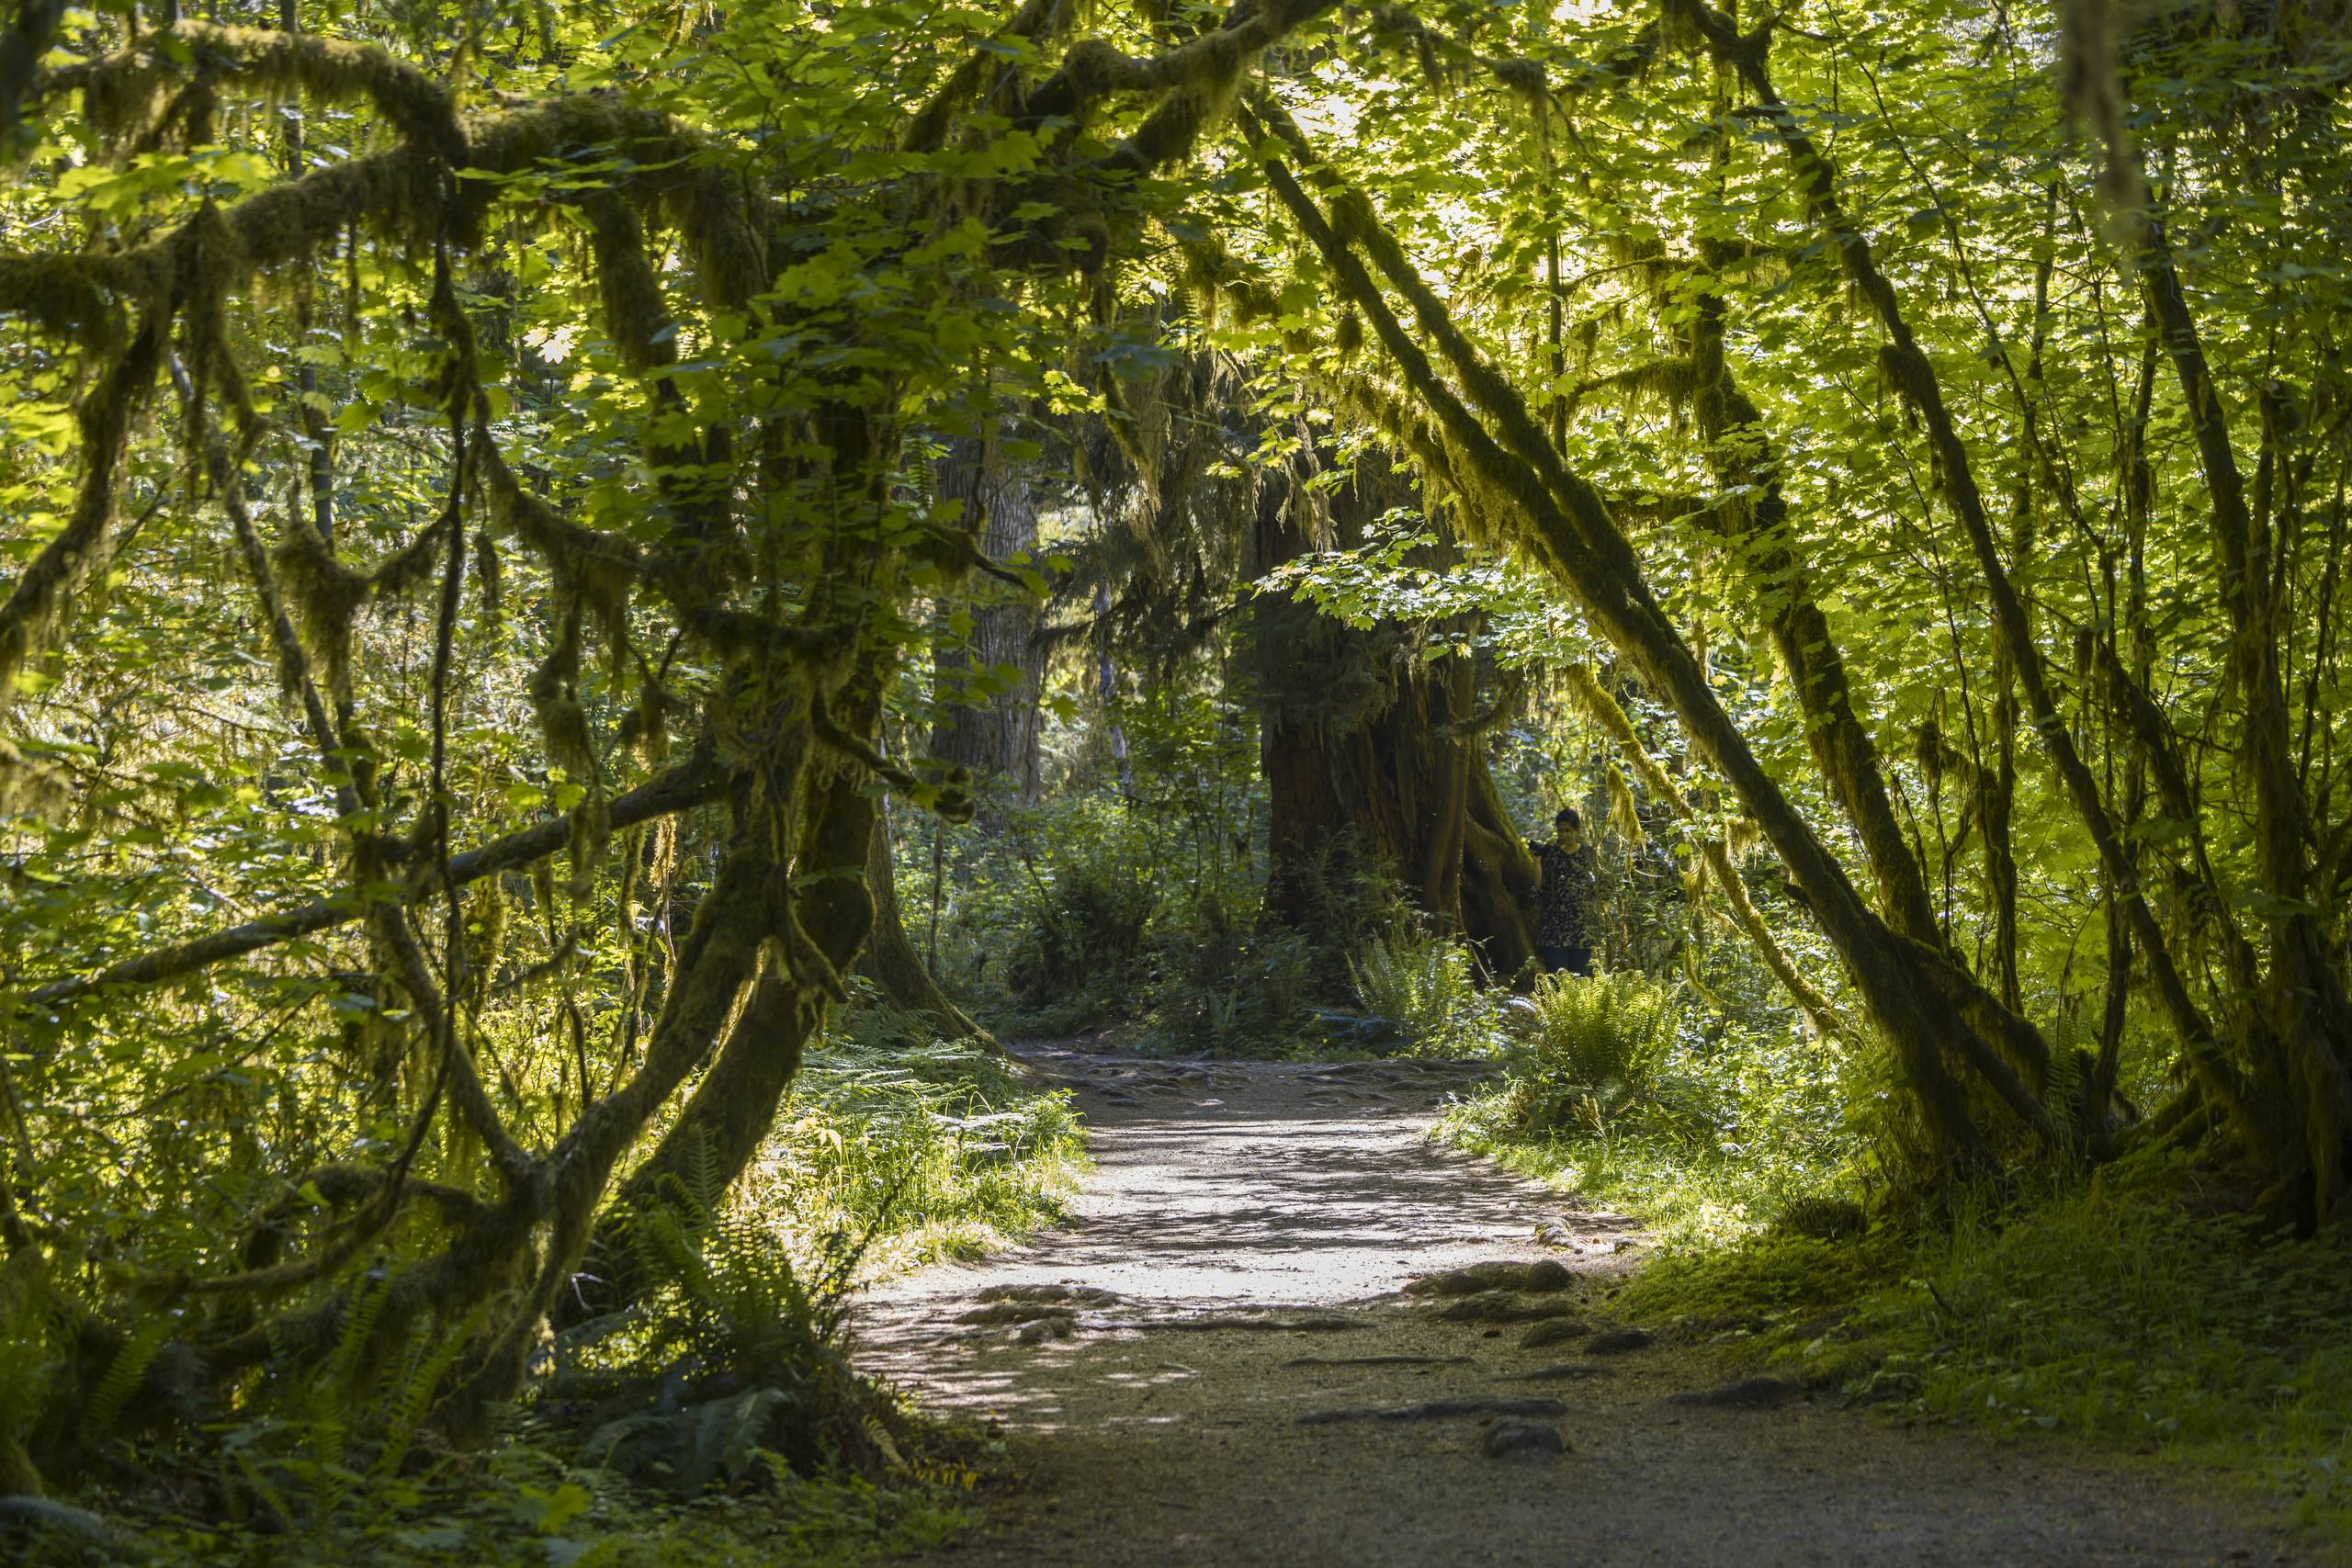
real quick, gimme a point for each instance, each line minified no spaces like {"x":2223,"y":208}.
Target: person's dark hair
{"x":1568,"y":814}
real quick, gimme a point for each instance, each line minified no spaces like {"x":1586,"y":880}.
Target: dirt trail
{"x":1214,"y":1362}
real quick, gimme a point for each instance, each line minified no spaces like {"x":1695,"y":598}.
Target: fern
{"x":1599,"y":1051}
{"x":1423,"y":984}
{"x":333,"y":1391}
{"x":29,"y":1328}
{"x":124,"y":1373}
{"x":736,"y":1319}
{"x":431,"y":1355}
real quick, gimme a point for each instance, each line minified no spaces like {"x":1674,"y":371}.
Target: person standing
{"x":1565,"y":878}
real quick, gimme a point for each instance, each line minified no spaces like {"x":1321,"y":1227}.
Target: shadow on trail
{"x":1254,"y":1390}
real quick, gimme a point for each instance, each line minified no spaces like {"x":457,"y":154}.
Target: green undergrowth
{"x":720,"y":1420}
{"x":921,"y":1149}
{"x":2124,"y":1309}
{"x":2134,"y":1309}
{"x":528,"y":1509}
{"x":1618,"y":1088}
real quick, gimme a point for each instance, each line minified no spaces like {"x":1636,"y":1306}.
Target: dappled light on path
{"x":1215,"y":1362}
{"x":1275,"y":1210}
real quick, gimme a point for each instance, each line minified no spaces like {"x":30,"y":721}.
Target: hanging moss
{"x":119,"y":91}
{"x":637,"y":317}
{"x":63,"y":298}
{"x":327,"y":595}
{"x":31,"y":787}
{"x":43,"y":595}
{"x":1624,"y":813}
{"x":554,"y":691}
{"x":710,"y":212}
{"x":1666,"y":383}
{"x":490,"y":577}
{"x":600,"y":569}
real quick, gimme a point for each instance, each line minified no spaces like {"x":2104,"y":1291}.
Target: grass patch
{"x":2130,"y":1309}
{"x":2135,"y":1318}
{"x":917,"y":1150}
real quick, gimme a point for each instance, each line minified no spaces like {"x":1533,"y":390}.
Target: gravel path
{"x":1218,"y":1362}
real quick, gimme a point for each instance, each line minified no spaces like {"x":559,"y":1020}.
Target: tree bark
{"x":890,"y":959}
{"x":720,"y":1126}
{"x":1367,"y":745}
{"x":995,"y":736}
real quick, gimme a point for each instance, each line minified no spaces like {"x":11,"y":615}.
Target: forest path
{"x":1214,"y":1363}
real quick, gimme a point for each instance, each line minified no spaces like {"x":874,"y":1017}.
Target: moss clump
{"x":121,"y":92}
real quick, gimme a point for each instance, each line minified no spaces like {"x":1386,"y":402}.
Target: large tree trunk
{"x":1368,"y":748}
{"x":733,"y":1106}
{"x":890,"y":960}
{"x":994,"y":735}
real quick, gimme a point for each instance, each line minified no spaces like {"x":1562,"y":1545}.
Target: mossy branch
{"x":119,"y":90}
{"x":927,"y":131}
{"x":1095,"y":68}
{"x":404,"y":191}
{"x":41,"y":598}
{"x":953,"y":802}
{"x":692,"y":784}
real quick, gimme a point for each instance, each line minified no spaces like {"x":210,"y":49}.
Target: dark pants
{"x":1552,"y":960}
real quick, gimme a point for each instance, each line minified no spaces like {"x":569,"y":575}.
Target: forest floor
{"x":1217,"y":1361}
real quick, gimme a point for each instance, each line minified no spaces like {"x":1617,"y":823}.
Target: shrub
{"x":1227,"y":982}
{"x":1051,"y":930}
{"x":1423,"y":984}
{"x":1598,"y":1053}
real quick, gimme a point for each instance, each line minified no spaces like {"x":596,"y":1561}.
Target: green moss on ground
{"x":2136,"y":1309}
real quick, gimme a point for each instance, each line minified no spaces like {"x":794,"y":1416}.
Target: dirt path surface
{"x":1218,"y":1361}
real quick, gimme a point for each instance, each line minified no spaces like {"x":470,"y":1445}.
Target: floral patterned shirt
{"x":1564,"y":915}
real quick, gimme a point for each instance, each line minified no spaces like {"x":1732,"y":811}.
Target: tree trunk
{"x":995,"y":735}
{"x":1368,"y":748}
{"x":722,"y":1125}
{"x":890,"y":960}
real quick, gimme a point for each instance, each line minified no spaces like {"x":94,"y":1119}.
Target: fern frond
{"x":124,"y":1373}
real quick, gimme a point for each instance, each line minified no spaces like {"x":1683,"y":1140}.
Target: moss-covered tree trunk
{"x":1372,"y":750}
{"x":890,"y":960}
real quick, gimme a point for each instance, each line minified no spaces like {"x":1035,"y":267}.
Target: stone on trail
{"x":1523,"y":1440}
{"x":1067,"y":1295}
{"x":1554,"y":1331}
{"x":1504,"y":1306}
{"x":1488,"y":1404}
{"x":1012,"y":1312}
{"x":1286,"y":1323}
{"x":1617,"y":1341}
{"x":1038,"y":1330}
{"x":1377,"y":1361}
{"x":1558,"y":1371}
{"x":1502,"y":1274}
{"x":1748,"y":1394}
{"x":1557,"y":1233}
